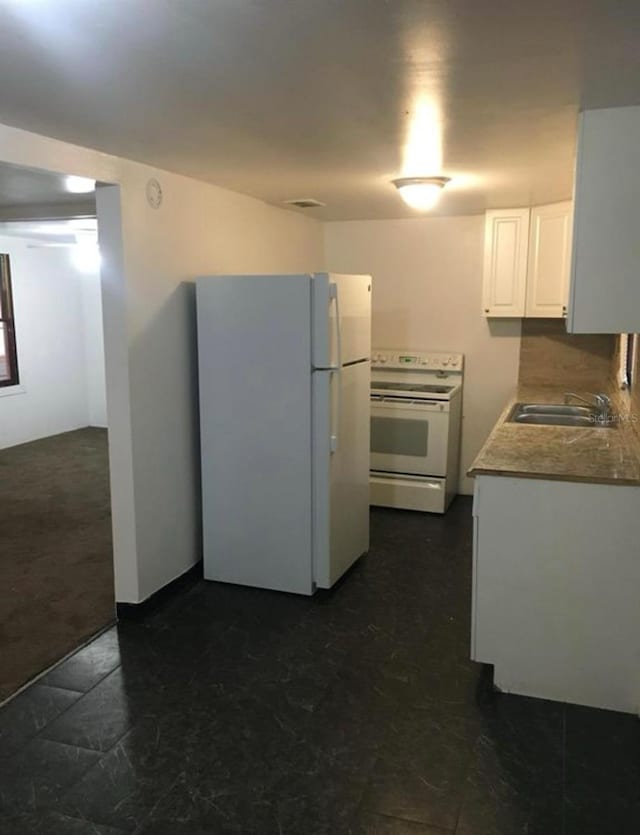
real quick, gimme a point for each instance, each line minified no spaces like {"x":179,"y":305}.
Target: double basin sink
{"x":551,"y":414}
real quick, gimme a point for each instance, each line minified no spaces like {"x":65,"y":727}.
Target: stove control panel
{"x":417,"y":360}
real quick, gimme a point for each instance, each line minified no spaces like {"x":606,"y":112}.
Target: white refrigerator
{"x":284,"y":374}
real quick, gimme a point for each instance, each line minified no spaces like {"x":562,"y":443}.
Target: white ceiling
{"x":326,"y":98}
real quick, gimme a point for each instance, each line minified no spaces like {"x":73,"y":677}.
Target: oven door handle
{"x":398,"y":398}
{"x":407,"y":401}
{"x":336,"y":369}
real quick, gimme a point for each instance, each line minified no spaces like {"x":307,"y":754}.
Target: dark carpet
{"x":56,"y":558}
{"x":235,"y":711}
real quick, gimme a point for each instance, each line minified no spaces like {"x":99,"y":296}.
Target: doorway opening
{"x":56,"y":552}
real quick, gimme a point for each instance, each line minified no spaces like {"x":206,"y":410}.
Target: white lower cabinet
{"x":527,"y":261}
{"x":556,"y":579}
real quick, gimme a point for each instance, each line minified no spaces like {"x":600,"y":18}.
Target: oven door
{"x":409,"y":435}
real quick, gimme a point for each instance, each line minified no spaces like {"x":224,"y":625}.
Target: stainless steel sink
{"x":550,"y":414}
{"x":556,"y":420}
{"x":556,"y":409}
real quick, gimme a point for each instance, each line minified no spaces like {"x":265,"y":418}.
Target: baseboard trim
{"x":140,"y":611}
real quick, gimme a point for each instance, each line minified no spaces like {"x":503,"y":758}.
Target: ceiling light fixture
{"x":79,"y":185}
{"x":421,"y":193}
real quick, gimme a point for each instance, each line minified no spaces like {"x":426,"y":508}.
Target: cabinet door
{"x":505,"y":262}
{"x":605,"y":274}
{"x":549,"y":260}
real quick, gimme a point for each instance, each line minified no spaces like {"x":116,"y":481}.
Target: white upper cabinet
{"x":549,"y":260}
{"x":605,"y":273}
{"x":527,"y":258}
{"x":505,"y":262}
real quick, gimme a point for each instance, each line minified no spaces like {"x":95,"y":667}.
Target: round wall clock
{"x":154,"y":193}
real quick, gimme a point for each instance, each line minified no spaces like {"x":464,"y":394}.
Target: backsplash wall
{"x":549,"y":356}
{"x":635,"y":408}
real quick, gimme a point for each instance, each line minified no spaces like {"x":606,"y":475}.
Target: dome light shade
{"x":421,"y":193}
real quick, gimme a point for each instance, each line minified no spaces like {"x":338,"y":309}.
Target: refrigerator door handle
{"x":337,"y":372}
{"x":336,"y":369}
{"x":333,"y":295}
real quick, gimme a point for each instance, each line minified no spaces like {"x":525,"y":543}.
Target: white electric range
{"x":416,"y":407}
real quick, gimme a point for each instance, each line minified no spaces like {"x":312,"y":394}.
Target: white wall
{"x":53,"y":346}
{"x":199,"y":230}
{"x":93,"y":335}
{"x":427,"y":277}
{"x":148,"y":304}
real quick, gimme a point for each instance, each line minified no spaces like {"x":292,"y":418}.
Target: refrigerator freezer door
{"x":255,"y":414}
{"x":341,"y":319}
{"x":340,"y":478}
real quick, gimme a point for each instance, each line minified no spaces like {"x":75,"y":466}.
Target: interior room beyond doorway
{"x":56,"y":555}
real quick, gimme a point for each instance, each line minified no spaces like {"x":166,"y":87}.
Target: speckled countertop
{"x":564,"y":453}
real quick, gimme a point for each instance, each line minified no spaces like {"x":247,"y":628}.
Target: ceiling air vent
{"x":305,"y":203}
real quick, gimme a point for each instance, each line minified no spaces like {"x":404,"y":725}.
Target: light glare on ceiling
{"x":423,"y":146}
{"x":86,"y":224}
{"x":49,"y":228}
{"x":86,"y":257}
{"x":79,"y":185}
{"x":421,"y":193}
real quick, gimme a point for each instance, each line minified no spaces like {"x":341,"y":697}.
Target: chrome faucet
{"x":599,"y":401}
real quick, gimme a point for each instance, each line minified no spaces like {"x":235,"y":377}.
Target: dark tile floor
{"x":241,"y":711}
